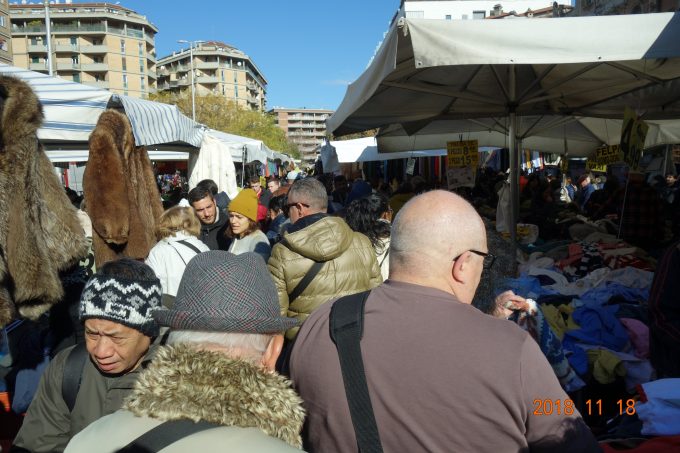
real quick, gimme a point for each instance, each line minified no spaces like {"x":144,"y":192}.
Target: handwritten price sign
{"x":462,"y":154}
{"x":594,"y":165}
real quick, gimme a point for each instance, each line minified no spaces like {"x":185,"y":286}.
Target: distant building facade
{"x":218,"y":69}
{"x":5,"y":34}
{"x":610,"y":7}
{"x":304,"y":127}
{"x":465,"y":9}
{"x":97,"y":44}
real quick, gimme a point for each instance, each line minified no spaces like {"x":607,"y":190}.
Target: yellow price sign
{"x":594,"y":165}
{"x":462,"y":154}
{"x":606,"y":155}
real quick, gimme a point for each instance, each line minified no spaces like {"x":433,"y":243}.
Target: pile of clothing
{"x":592,"y":294}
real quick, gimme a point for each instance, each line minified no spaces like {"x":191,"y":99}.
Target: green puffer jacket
{"x":350,"y":265}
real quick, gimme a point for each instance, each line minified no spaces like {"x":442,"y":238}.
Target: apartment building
{"x":305,"y":127}
{"x":5,"y":35}
{"x":465,"y":9}
{"x":219,"y":69}
{"x":100,"y":44}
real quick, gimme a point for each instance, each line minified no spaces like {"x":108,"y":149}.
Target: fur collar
{"x":182,"y":382}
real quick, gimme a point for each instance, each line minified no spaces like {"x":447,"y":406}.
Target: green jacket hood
{"x":323,"y":240}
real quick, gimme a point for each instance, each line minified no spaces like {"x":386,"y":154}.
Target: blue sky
{"x":308,"y":50}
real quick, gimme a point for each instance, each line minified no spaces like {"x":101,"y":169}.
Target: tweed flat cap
{"x":223,"y":292}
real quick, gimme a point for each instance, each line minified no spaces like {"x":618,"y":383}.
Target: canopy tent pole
{"x":244,"y":157}
{"x":514,"y":157}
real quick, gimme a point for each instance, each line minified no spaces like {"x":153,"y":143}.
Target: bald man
{"x":442,"y":376}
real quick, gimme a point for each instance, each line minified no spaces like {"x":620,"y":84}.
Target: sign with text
{"x":605,"y":155}
{"x":593,"y":165}
{"x":410,"y":165}
{"x":633,"y":134}
{"x":462,"y":154}
{"x":461,"y":177}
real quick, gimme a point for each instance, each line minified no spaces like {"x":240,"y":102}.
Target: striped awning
{"x":71,"y":109}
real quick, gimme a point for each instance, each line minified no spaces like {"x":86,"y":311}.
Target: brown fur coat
{"x":121,"y":195}
{"x":39,"y":231}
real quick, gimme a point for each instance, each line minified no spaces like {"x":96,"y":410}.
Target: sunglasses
{"x":489,"y":258}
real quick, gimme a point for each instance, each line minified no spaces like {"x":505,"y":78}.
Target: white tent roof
{"x":428,"y":70}
{"x":72,"y":110}
{"x":256,"y":149}
{"x":366,"y":150}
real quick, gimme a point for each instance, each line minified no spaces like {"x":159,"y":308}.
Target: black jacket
{"x":213,"y":235}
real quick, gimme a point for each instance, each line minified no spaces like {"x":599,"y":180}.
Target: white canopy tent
{"x":593,"y":67}
{"x":579,"y":137}
{"x":363,"y":150}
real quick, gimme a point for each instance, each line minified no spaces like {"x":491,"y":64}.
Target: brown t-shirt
{"x":442,"y":377}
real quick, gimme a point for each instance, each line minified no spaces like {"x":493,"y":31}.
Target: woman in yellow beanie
{"x":243,"y":226}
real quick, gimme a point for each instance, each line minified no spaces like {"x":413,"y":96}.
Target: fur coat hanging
{"x":121,"y":196}
{"x":39,"y":231}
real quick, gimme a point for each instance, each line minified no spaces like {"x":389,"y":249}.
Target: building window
{"x":97,"y":78}
{"x":35,"y":59}
{"x":76,"y":77}
{"x":224,"y":91}
{"x":98,"y":59}
{"x":235,"y":77}
{"x":2,"y":21}
{"x":222,"y":76}
{"x":478,"y":15}
{"x":124,"y":64}
{"x":125,"y":81}
{"x":142,"y":80}
{"x":35,"y":40}
{"x":448,"y":17}
{"x":141,"y":48}
{"x":122,"y":46}
{"x":3,"y":45}
{"x":236,"y":91}
{"x":74,"y":41}
{"x":74,"y":59}
{"x":142,"y":63}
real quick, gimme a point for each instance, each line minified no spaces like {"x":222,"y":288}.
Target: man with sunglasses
{"x":319,"y":257}
{"x":441,"y":375}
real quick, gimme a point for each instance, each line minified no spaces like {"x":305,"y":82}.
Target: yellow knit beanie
{"x":245,"y":203}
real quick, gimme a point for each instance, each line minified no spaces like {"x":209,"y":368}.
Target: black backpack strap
{"x":306,"y":280}
{"x":347,"y":329}
{"x":165,"y":434}
{"x":73,"y":374}
{"x":190,"y":245}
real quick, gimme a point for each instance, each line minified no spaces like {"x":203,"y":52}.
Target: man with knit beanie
{"x":243,"y":227}
{"x":213,"y":387}
{"x":90,"y":380}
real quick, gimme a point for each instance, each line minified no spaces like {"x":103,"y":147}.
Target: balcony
{"x":207,"y":65}
{"x":99,"y":84}
{"x":149,"y":39}
{"x":29,"y":29}
{"x":152,"y":74}
{"x":42,"y":66}
{"x":251,"y":86}
{"x":163,"y":72}
{"x":151,"y":57}
{"x":164,"y":86}
{"x":94,"y":49}
{"x":70,"y":66}
{"x":182,"y":68}
{"x":183,"y":82}
{"x":37,"y":48}
{"x":95,"y":67}
{"x":68,"y":48}
{"x":72,"y":28}
{"x":207,"y":79}
{"x":131,"y":32}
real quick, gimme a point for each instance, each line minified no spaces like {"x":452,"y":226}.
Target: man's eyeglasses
{"x":489,"y":259}
{"x":290,"y":205}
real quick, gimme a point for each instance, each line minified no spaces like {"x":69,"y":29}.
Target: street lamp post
{"x":191,"y":68}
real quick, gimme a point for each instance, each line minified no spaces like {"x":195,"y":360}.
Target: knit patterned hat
{"x":124,"y":291}
{"x":223,"y":292}
{"x":245,"y":203}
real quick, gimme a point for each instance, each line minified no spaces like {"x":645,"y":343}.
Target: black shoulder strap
{"x":347,"y":329}
{"x":306,"y":280}
{"x":190,"y":245}
{"x":165,"y":434}
{"x":73,"y":374}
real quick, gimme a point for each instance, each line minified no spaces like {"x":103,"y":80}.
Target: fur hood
{"x":183,"y":383}
{"x":40,"y":234}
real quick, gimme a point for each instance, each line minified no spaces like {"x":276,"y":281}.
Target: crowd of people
{"x":225,"y":336}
